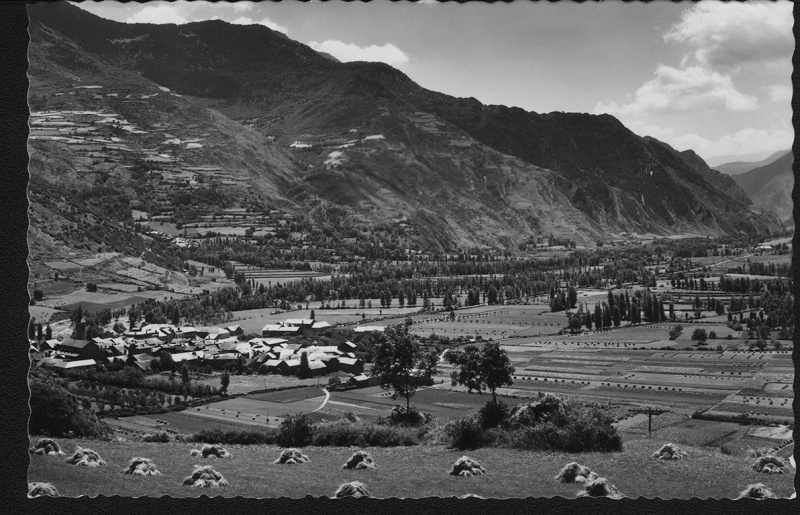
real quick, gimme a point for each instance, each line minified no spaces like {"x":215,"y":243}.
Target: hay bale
{"x":352,"y":489}
{"x":600,"y":487}
{"x":46,"y":447}
{"x":211,"y":451}
{"x":85,"y":458}
{"x":41,"y":489}
{"x":291,"y":457}
{"x":756,"y":491}
{"x":360,"y":460}
{"x":141,"y":467}
{"x":466,"y":466}
{"x":575,"y":473}
{"x":669,"y":451}
{"x":204,"y":476}
{"x":770,"y":465}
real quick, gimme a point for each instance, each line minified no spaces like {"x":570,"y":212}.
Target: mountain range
{"x":770,"y":186}
{"x":312,"y":134}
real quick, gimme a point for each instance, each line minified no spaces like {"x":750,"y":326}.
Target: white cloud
{"x":347,"y":52}
{"x":730,"y":35}
{"x":162,"y":13}
{"x":692,"y":89}
{"x":780,"y":94}
{"x":265,"y":22}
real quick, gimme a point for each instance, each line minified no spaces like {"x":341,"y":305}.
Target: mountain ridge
{"x":508,"y":170}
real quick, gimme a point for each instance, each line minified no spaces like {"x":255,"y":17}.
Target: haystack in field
{"x":352,"y":489}
{"x":466,"y":466}
{"x":85,"y":458}
{"x":46,"y":447}
{"x":770,"y":465}
{"x":290,"y":457}
{"x":360,"y":460}
{"x":669,"y":451}
{"x":756,"y":491}
{"x":575,"y":473}
{"x":211,"y":451}
{"x":41,"y":489}
{"x":600,"y":487}
{"x":141,"y":467}
{"x":204,"y":476}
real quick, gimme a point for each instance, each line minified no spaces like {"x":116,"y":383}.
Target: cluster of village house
{"x":214,"y":346}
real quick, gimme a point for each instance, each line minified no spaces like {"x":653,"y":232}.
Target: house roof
{"x":315,"y":365}
{"x":75,"y":364}
{"x":369,"y":329}
{"x":298,"y":321}
{"x":75,"y":344}
{"x":348,"y":361}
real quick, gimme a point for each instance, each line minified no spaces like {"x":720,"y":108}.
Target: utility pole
{"x":649,"y":411}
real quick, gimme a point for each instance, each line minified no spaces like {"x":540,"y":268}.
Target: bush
{"x":465,"y":433}
{"x":411,"y":417}
{"x":493,"y":415}
{"x":56,"y":412}
{"x":553,"y":424}
{"x":158,"y":437}
{"x":343,"y":433}
{"x":295,"y":431}
{"x":265,"y":436}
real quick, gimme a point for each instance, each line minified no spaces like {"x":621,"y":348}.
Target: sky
{"x":709,"y":76}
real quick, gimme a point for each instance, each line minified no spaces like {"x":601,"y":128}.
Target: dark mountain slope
{"x":770,"y":187}
{"x":616,"y":180}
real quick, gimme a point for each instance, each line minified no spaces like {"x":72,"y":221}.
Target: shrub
{"x":54,"y":412}
{"x":493,"y":414}
{"x":465,"y":433}
{"x":410,"y":417}
{"x":295,"y":431}
{"x":266,"y":436}
{"x":552,"y":424}
{"x":158,"y":437}
{"x":347,"y":434}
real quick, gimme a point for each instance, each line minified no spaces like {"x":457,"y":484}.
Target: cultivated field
{"x":424,"y":469}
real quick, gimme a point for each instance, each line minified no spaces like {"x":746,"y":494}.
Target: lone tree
{"x":225,"y":381}
{"x":700,"y":336}
{"x":480,"y":369}
{"x":675,"y":332}
{"x":397,"y":359}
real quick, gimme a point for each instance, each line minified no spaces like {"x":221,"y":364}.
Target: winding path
{"x":327,"y":397}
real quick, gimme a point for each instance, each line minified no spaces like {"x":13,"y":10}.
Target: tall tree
{"x":480,"y":369}
{"x":398,"y":360}
{"x":225,"y":381}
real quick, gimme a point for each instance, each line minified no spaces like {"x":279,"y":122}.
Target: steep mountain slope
{"x":770,"y":187}
{"x":377,"y":144}
{"x":717,"y":179}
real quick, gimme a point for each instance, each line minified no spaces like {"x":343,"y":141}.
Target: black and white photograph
{"x":407,"y":250}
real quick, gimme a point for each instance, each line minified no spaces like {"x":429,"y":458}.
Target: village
{"x":217,"y":347}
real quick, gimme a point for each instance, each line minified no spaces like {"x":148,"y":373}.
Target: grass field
{"x":423,"y":469}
